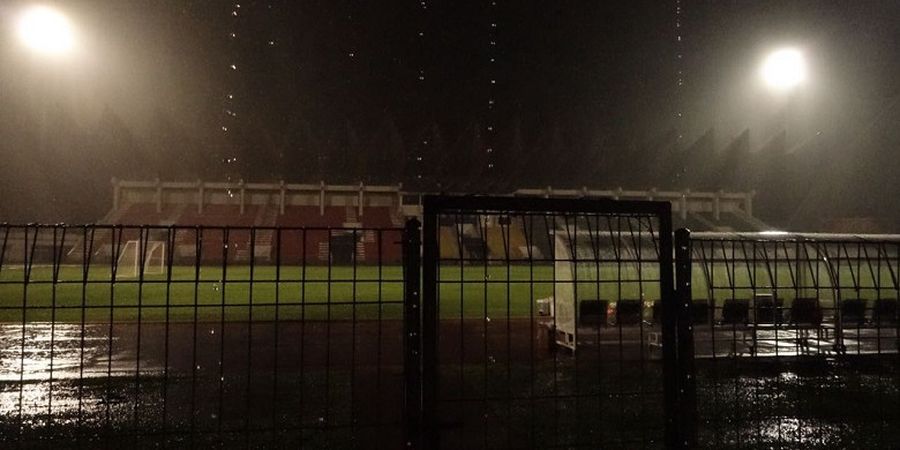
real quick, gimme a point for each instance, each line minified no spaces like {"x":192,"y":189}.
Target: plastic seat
{"x":701,"y":313}
{"x":628,"y":312}
{"x":736,"y":311}
{"x":767,"y":310}
{"x":853,"y":311}
{"x":806,"y":311}
{"x":884,"y":311}
{"x":592,"y":312}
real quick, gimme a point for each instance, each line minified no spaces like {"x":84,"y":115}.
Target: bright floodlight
{"x":45,"y":30}
{"x":784,"y":69}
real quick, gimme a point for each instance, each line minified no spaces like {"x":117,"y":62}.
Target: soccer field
{"x":292,"y":293}
{"x":337,"y":292}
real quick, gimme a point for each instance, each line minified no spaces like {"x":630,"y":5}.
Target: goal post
{"x":134,"y":252}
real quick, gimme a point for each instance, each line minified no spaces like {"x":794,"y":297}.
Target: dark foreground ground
{"x":340,"y":385}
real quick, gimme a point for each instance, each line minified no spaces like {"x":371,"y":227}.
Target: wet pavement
{"x":316,"y":383}
{"x":340,"y":385}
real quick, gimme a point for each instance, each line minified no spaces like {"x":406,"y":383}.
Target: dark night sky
{"x":583,"y":93}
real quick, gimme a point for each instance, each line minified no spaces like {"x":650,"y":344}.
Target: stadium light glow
{"x":46,"y":30}
{"x":784,"y":69}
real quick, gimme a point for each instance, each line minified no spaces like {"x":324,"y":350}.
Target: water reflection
{"x":44,"y":368}
{"x":150,"y":378}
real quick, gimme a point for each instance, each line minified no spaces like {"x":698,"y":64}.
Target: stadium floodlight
{"x":784,"y":69}
{"x":46,"y":30}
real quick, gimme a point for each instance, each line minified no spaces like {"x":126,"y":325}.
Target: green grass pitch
{"x":336,"y":293}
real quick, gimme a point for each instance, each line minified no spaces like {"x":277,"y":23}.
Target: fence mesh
{"x":547,"y":325}
{"x":536,"y":324}
{"x":288,"y":337}
{"x":796,"y":340}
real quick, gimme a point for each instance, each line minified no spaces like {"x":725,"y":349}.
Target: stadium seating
{"x":735,"y":312}
{"x":506,"y":242}
{"x":806,"y":312}
{"x":767,"y":309}
{"x":308,"y":246}
{"x":701,"y":312}
{"x":328,"y":235}
{"x":215,"y":244}
{"x":629,"y":312}
{"x":145,"y":213}
{"x":379,"y":241}
{"x":311,"y":216}
{"x":379,"y":217}
{"x":220,"y":215}
{"x":593,"y":312}
{"x":474,"y":247}
{"x":496,"y":243}
{"x":884,"y":312}
{"x":853,"y":311}
{"x":375,"y":241}
{"x":518,"y":247}
{"x":449,"y":243}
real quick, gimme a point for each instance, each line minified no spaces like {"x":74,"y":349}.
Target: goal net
{"x":137,"y":256}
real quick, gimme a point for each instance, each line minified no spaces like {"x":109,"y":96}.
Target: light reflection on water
{"x":93,"y":380}
{"x":60,"y":352}
{"x":826,"y":404}
{"x":48,"y":374}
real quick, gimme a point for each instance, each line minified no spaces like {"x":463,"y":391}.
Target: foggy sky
{"x":584,"y":93}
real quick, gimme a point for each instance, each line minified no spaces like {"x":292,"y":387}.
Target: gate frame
{"x":412,"y":330}
{"x":673,"y":387}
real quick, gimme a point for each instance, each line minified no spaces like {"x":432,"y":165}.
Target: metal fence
{"x":542,"y":323}
{"x":796,"y":339}
{"x":502,"y":323}
{"x":177,"y":336}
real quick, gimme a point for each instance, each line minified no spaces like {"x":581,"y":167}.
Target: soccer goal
{"x":133,"y":252}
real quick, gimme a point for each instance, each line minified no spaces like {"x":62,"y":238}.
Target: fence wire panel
{"x":546,"y":325}
{"x":201,"y":336}
{"x":796,"y":339}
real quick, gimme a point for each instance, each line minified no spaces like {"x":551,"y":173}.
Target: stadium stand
{"x":496,"y":243}
{"x":302,"y":216}
{"x":380,"y":217}
{"x":343,"y":221}
{"x":449,"y":243}
{"x":518,"y":247}
{"x":219,"y":215}
{"x":146,"y":213}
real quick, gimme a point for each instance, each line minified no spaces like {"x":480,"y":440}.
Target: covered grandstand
{"x":323,"y":222}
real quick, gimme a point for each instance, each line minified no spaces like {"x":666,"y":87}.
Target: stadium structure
{"x":364,"y":208}
{"x":334,"y":224}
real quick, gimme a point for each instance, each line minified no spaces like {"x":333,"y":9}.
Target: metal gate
{"x":543,"y":324}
